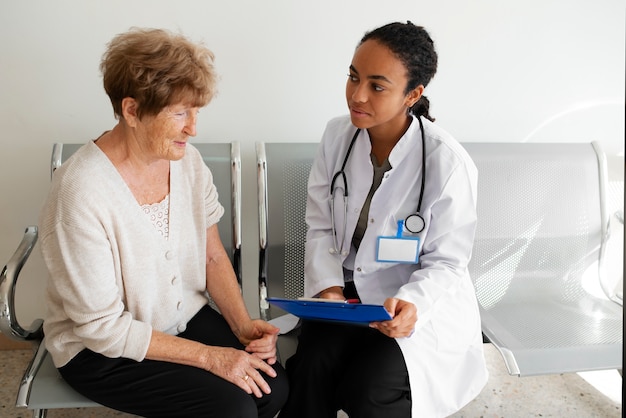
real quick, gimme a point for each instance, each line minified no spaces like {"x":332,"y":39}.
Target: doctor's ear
{"x":414,"y":95}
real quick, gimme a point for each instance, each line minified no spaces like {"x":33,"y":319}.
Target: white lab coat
{"x":444,"y":356}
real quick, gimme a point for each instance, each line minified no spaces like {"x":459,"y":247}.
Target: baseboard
{"x":7,"y":343}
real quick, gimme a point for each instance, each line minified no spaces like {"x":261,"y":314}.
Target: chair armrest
{"x":57,"y":157}
{"x":619,"y":295}
{"x":8,"y":282}
{"x":235,"y":159}
{"x":26,"y":384}
{"x":262,"y":193}
{"x":263,"y":208}
{"x":612,"y":253}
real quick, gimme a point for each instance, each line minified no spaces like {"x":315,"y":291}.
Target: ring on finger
{"x":246,"y":378}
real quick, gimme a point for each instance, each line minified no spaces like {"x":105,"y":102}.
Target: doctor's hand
{"x":334,"y":293}
{"x":404,"y":317}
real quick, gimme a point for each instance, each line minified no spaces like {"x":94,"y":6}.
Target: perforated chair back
{"x":537,"y":257}
{"x":42,"y":387}
{"x":282,"y":173}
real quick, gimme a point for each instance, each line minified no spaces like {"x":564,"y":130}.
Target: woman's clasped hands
{"x":243,"y":368}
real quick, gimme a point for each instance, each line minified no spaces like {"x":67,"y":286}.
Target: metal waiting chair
{"x":42,"y":387}
{"x":282,"y":176}
{"x":538,"y":258}
{"x":538,"y":263}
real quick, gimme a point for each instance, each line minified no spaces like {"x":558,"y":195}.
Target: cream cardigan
{"x":113,"y":277}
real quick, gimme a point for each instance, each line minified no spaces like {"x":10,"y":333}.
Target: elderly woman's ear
{"x":129,"y":111}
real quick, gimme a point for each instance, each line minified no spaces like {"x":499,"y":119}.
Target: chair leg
{"x":40,"y":413}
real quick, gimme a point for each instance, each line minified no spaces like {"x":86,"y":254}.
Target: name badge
{"x":398,"y":249}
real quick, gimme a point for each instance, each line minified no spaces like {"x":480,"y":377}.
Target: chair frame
{"x":542,"y":354}
{"x":298,"y":157}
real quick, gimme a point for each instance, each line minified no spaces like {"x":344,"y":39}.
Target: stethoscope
{"x":413,"y":223}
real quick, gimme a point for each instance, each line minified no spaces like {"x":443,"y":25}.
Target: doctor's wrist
{"x":335,"y":292}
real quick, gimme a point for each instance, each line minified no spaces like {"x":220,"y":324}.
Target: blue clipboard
{"x":357,"y":313}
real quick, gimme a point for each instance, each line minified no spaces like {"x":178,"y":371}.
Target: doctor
{"x":391,"y":214}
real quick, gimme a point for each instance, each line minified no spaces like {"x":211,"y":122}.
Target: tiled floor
{"x":504,"y":396}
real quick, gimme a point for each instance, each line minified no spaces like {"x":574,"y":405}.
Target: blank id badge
{"x":398,"y":249}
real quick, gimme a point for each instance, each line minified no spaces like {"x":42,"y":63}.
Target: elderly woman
{"x":128,"y":323}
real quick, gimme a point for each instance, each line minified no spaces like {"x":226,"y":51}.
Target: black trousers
{"x":353,"y":368}
{"x":162,"y":389}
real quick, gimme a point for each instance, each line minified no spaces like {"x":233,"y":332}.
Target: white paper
{"x":285,"y":322}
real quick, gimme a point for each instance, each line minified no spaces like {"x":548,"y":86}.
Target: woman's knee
{"x":270,"y":404}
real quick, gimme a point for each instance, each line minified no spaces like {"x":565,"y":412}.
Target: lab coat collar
{"x":411,"y":139}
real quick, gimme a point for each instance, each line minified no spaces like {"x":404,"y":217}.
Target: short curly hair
{"x":157,"y":68}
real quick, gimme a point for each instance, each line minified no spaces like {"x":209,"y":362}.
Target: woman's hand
{"x":237,"y":366}
{"x":260,"y":338}
{"x":240,"y":368}
{"x":403,"y":322}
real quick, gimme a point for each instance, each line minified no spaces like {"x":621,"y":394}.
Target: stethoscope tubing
{"x":341,"y":173}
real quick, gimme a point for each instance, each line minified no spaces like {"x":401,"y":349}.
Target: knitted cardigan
{"x":112,"y":277}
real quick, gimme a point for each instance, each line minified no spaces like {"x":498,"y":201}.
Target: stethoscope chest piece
{"x":414,"y":223}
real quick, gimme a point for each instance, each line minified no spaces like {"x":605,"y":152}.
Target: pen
{"x":353,"y":301}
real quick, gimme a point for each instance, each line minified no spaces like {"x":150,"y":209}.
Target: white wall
{"x":537,"y":70}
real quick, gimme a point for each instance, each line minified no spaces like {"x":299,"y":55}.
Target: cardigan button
{"x":181,"y":328}
{"x":169,"y":255}
{"x":174,"y":280}
{"x":179,"y":306}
